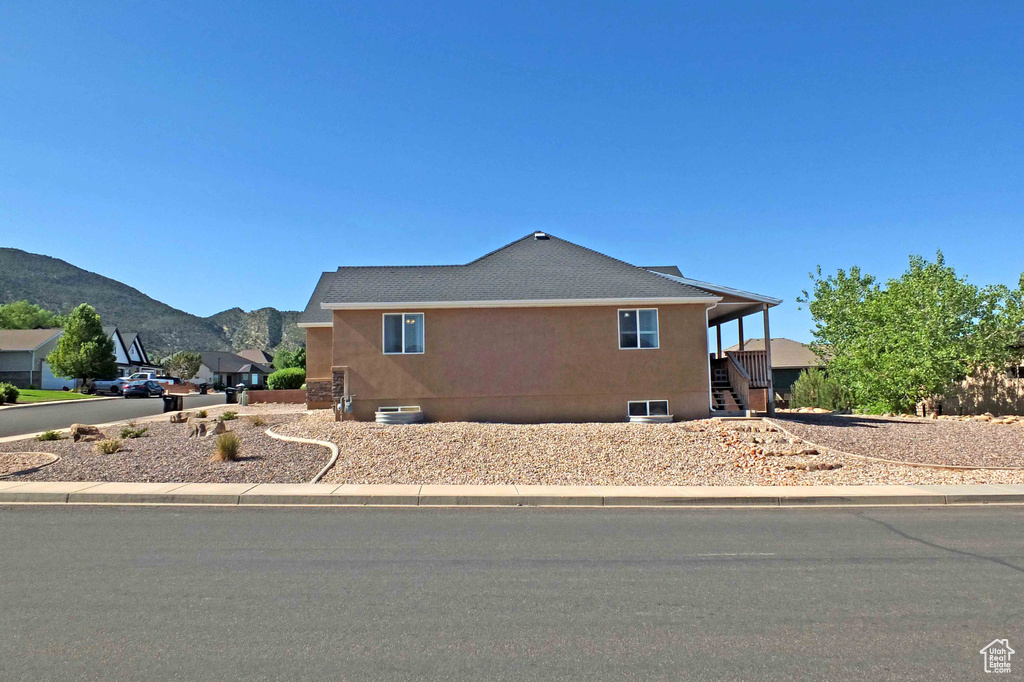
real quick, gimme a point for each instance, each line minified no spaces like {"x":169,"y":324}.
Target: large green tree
{"x":895,"y":344}
{"x":183,"y":364}
{"x":84,"y":351}
{"x":283,"y":359}
{"x":25,"y":315}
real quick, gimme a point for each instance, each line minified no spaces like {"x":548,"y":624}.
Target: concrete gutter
{"x":242,"y":494}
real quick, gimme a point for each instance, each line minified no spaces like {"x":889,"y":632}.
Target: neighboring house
{"x":789,"y":358}
{"x":257,"y":355}
{"x":23,"y":358}
{"x":230,"y":369}
{"x":129,"y":353}
{"x":541,"y":330}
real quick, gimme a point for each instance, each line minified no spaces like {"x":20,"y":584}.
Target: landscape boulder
{"x":196,"y":428}
{"x":82,"y":432}
{"x":219,"y":428}
{"x":180,"y":417}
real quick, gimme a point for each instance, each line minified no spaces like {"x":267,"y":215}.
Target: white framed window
{"x":255,"y":379}
{"x":403,"y":333}
{"x":638,"y":328}
{"x":647,"y":408}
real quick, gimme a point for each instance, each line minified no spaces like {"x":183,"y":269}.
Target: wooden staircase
{"x":724,"y":398}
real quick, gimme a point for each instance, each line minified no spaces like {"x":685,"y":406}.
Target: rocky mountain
{"x":59,"y":286}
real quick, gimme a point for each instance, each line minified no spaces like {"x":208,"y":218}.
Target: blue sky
{"x":239,"y":149}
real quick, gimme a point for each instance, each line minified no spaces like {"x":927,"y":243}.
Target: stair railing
{"x":740,"y":381}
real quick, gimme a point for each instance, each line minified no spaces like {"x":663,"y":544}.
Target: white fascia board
{"x":718,"y":289}
{"x":306,"y":325}
{"x":536,"y":303}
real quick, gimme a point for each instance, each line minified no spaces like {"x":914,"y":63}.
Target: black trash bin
{"x":202,"y":389}
{"x":173,"y":403}
{"x":230,"y":396}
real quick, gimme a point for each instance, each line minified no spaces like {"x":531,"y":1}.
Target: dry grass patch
{"x":226,"y":448}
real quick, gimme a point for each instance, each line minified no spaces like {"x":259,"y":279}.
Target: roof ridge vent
{"x":540,"y":235}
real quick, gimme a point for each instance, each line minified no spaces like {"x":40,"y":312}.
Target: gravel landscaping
{"x":944,"y":441}
{"x":706,"y":452}
{"x":688,"y":453}
{"x":164,"y":454}
{"x":20,"y":461}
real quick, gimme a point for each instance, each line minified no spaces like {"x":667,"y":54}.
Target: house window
{"x":403,"y":333}
{"x":647,"y":408}
{"x":638,"y":328}
{"x":255,"y":379}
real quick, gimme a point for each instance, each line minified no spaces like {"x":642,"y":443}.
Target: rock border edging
{"x":309,"y":441}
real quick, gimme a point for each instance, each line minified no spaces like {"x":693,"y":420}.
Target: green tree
{"x":183,"y":364}
{"x":84,"y":350}
{"x":284,"y":359}
{"x":25,"y":315}
{"x":897,"y":344}
{"x":813,"y":388}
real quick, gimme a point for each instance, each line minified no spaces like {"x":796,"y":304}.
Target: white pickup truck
{"x":152,"y":376}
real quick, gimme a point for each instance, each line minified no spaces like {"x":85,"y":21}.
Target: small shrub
{"x":201,"y":414}
{"x":33,"y":387}
{"x":257,"y":420}
{"x":108,"y":446}
{"x":50,"y":435}
{"x":8,"y":393}
{"x":133,"y":431}
{"x":226,"y":448}
{"x":813,"y":388}
{"x":228,"y":416}
{"x":283,"y":379}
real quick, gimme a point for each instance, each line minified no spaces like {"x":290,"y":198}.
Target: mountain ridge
{"x":59,"y":286}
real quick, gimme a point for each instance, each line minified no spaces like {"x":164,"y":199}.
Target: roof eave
{"x":718,"y":289}
{"x":528,"y":303}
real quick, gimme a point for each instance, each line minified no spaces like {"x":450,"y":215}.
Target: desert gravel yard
{"x":164,"y":454}
{"x":688,"y":453}
{"x":927,"y":441}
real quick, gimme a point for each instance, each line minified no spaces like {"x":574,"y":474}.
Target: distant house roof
{"x":786,"y":353}
{"x":25,"y":339}
{"x":665,"y":269}
{"x":222,"y":361}
{"x":537,"y":269}
{"x":256,"y":355}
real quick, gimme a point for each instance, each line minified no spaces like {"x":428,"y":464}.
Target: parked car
{"x":144,"y":389}
{"x":153,"y":376}
{"x":104,"y":387}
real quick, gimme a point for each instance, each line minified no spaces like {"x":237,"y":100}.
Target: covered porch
{"x":741,"y":380}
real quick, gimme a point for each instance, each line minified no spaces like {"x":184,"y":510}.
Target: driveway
{"x":22,"y":420}
{"x":187,"y":593}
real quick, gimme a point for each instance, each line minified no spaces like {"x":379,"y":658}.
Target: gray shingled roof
{"x":528,"y":269}
{"x":222,"y":361}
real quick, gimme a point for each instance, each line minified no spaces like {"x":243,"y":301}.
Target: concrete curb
{"x":248,"y":494}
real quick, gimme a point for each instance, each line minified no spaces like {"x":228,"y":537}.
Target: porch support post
{"x":768,"y":360}
{"x":718,"y":333}
{"x":739,"y":321}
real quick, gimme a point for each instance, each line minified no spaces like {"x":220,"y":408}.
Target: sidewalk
{"x":502,"y":495}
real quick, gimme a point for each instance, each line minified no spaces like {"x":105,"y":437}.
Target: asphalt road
{"x":132,"y":593}
{"x":61,"y":415}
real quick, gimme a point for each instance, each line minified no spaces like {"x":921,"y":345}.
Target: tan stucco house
{"x":540,"y":330}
